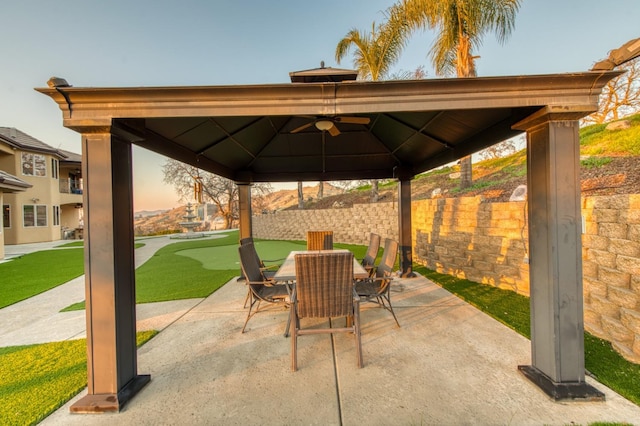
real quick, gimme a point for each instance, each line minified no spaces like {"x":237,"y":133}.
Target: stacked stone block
{"x":349,"y":225}
{"x":611,"y":271}
{"x":474,"y":240}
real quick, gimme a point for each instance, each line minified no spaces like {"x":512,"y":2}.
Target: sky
{"x":131,"y":43}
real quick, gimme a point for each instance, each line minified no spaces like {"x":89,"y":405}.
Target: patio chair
{"x":320,"y":240}
{"x":261,"y":288}
{"x":324,"y":289}
{"x":389,"y":254}
{"x":377,"y":288}
{"x":247,"y":240}
{"x":255,"y":259}
{"x":369,"y":260}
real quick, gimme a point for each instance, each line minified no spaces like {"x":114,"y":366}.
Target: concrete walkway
{"x":39,"y":320}
{"x":449,"y":364}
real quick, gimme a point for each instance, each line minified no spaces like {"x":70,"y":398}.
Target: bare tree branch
{"x":215,"y":189}
{"x":620,"y":97}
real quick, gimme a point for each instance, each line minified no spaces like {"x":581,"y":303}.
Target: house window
{"x":33,"y":164}
{"x":56,"y":215}
{"x":6,"y":216}
{"x":54,"y":168}
{"x":34,"y":215}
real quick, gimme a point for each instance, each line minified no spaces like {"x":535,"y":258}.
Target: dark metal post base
{"x":110,"y":402}
{"x":572,"y":391}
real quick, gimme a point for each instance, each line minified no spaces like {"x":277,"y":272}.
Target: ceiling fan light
{"x":324,"y":124}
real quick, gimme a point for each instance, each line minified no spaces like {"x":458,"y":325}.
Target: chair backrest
{"x":383,"y":271}
{"x":250,"y":264}
{"x":389,"y":255}
{"x":324,"y":284}
{"x":372,"y":251}
{"x":249,"y":242}
{"x":320,"y":240}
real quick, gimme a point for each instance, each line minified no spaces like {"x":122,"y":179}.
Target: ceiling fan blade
{"x":353,"y":120}
{"x":301,"y":128}
{"x":333,"y":130}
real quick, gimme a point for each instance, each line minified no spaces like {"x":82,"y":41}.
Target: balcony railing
{"x":71,"y":186}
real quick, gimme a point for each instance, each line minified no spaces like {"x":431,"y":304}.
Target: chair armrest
{"x":267,"y":267}
{"x":376,"y":279}
{"x":273,"y":260}
{"x":268,"y":282}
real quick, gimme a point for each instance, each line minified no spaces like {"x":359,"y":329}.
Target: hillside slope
{"x":610,"y":164}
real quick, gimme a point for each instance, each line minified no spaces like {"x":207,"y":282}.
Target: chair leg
{"x":294,"y":342}
{"x":356,"y":328}
{"x":248,"y":316}
{"x":253,"y":301}
{"x":388,"y":307}
{"x":246,"y":298}
{"x":288,"y":329}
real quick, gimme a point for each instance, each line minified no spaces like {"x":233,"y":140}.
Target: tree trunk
{"x":228,"y":221}
{"x":320,"y":190}
{"x":374,"y":191}
{"x":465,"y":172}
{"x":300,"y":196}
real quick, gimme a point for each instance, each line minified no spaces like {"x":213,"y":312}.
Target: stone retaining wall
{"x":487,"y":243}
{"x":481,"y":242}
{"x":349,"y":225}
{"x":611,"y":271}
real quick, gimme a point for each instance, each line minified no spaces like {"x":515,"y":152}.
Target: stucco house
{"x":49,"y":207}
{"x":9,"y":184}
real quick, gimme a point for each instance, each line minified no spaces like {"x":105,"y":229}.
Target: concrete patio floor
{"x":449,"y":364}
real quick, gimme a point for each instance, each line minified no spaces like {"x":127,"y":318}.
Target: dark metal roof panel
{"x":23,"y":141}
{"x":10,"y":183}
{"x":71,"y":157}
{"x":323,"y":75}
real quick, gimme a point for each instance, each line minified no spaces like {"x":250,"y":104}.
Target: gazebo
{"x":331,"y":128}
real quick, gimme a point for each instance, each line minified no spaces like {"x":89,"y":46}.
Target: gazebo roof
{"x":323,"y":75}
{"x":252,"y":133}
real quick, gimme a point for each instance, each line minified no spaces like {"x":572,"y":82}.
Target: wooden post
{"x":557,"y":327}
{"x":244,"y":201}
{"x":112,"y":376}
{"x":404,"y":227}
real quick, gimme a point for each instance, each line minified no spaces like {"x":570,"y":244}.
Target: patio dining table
{"x":287,"y":272}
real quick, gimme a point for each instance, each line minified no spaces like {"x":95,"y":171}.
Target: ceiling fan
{"x":329,"y":123}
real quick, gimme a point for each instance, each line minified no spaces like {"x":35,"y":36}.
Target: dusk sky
{"x":128,"y":43}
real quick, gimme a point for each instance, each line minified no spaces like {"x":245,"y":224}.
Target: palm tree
{"x":375,"y":52}
{"x":460,"y":26}
{"x":300,"y":196}
{"x":374,"y":55}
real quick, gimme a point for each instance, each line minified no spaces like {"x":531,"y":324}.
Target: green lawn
{"x":23,"y":277}
{"x":172,"y":274}
{"x":197,"y":268}
{"x":185,"y":270}
{"x":513,"y":310}
{"x":36,"y":380}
